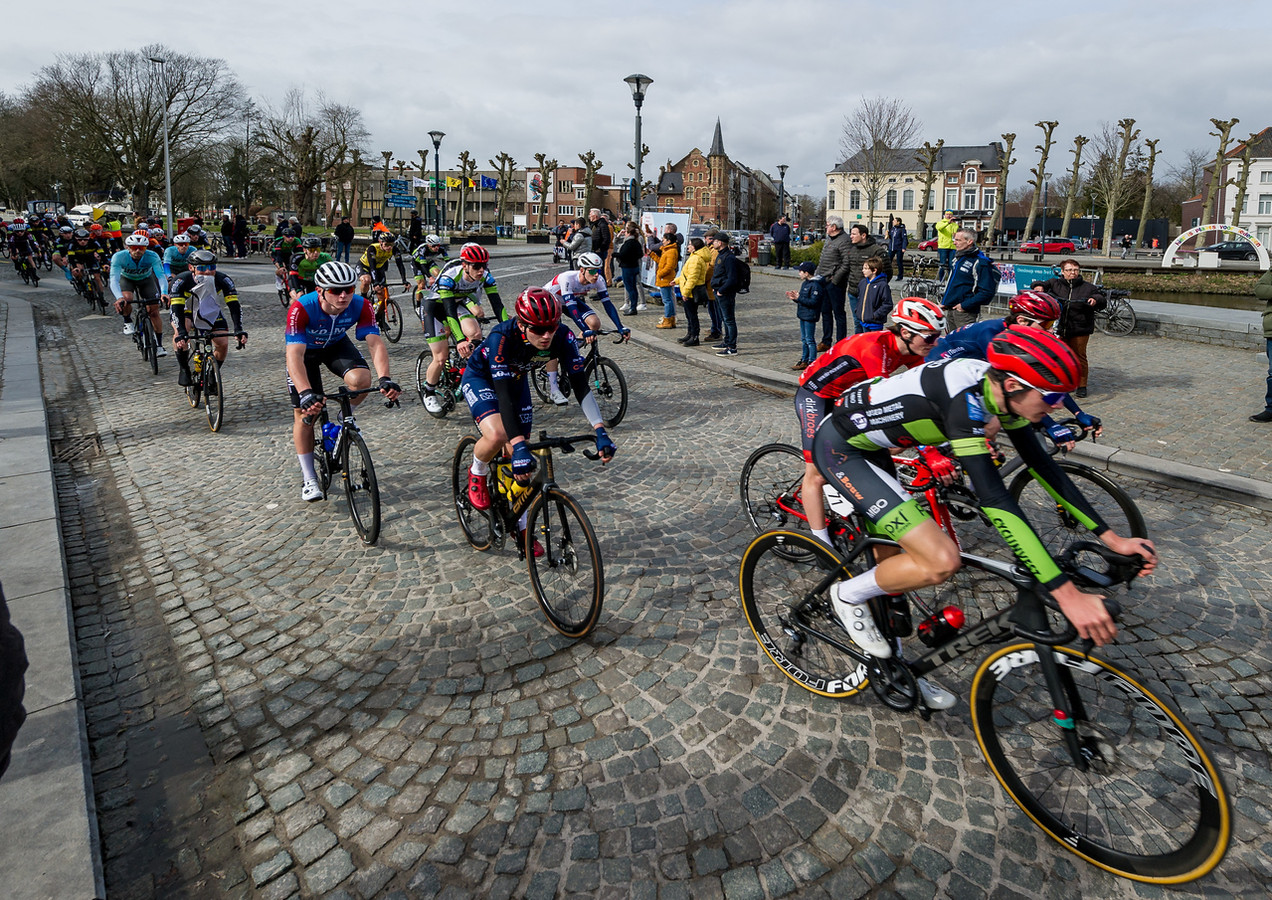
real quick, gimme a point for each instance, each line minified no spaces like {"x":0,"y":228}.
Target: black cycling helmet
{"x":311,"y":242}
{"x":80,"y":234}
{"x":388,"y":236}
{"x":202,"y":258}
{"x":287,"y":232}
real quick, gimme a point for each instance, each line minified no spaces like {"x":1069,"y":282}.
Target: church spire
{"x":717,"y":142}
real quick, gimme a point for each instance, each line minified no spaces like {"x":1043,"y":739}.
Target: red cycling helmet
{"x":1036,"y":305}
{"x":1036,"y":357}
{"x":477,"y":255}
{"x":536,"y":306}
{"x":918,"y":314}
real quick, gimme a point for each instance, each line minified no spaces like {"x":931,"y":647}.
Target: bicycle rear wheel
{"x":1147,"y":803}
{"x":609,"y":387}
{"x":213,"y":395}
{"x":362,"y":491}
{"x":771,"y":488}
{"x":475,"y":523}
{"x":779,"y":569}
{"x":421,"y":370}
{"x":393,"y":321}
{"x":569,"y":578}
{"x":1117,"y":319}
{"x":1057,"y":527}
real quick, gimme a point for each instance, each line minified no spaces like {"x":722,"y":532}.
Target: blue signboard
{"x":406,"y":203}
{"x":399,"y":185}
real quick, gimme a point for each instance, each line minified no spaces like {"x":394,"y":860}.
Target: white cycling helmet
{"x":433,"y":240}
{"x":138,"y":238}
{"x":335,"y":274}
{"x":182,"y":238}
{"x":589,"y":261}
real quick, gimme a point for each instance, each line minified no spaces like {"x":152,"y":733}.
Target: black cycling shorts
{"x":867,"y":479}
{"x":339,"y":356}
{"x":147,"y":291}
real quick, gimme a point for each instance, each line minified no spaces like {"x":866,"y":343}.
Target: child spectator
{"x":876,"y":295}
{"x":812,"y":293}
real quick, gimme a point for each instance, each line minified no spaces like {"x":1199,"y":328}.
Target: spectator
{"x":692,"y":282}
{"x":668,"y":258}
{"x":725,"y":280}
{"x":1263,"y":290}
{"x":781,"y":235}
{"x":971,"y":283}
{"x":13,"y":665}
{"x":832,"y":268}
{"x":344,"y":239}
{"x":629,"y":253}
{"x":579,"y":241}
{"x":602,"y":240}
{"x":945,"y":230}
{"x":810,"y":300}
{"x":227,"y":235}
{"x":292,"y":222}
{"x":1126,"y":246}
{"x":377,"y":224}
{"x":240,"y":236}
{"x":415,"y":232}
{"x":876,"y":295}
{"x":897,"y":241}
{"x":862,"y":246}
{"x":1079,"y":301}
{"x":713,"y":308}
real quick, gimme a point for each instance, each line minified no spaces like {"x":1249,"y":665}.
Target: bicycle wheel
{"x":1057,"y":526}
{"x":539,"y":378}
{"x":421,"y":370}
{"x":100,"y":299}
{"x":771,"y":488}
{"x":609,"y":387}
{"x":361,"y":489}
{"x":568,"y":579}
{"x":476,"y":523}
{"x":194,"y":390}
{"x":1148,"y":802}
{"x":1117,"y":319}
{"x":213,"y":394}
{"x":393,"y":321}
{"x":149,"y":344}
{"x":778,"y":571}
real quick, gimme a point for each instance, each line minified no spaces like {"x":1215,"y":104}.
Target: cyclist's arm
{"x":116,"y":274}
{"x":156,"y":267}
{"x":296,"y":367}
{"x":225,"y":285}
{"x":569,"y":303}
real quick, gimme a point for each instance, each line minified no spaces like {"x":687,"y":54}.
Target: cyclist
{"x":285,"y":246}
{"x":497,"y":390}
{"x":141,"y":269}
{"x":454,"y":311}
{"x":373,"y":264}
{"x":315,"y":337}
{"x":466,"y":280}
{"x":61,"y":245}
{"x":194,"y":303}
{"x":158,"y":239}
{"x":913,"y":325}
{"x":198,"y":237}
{"x":302,"y":266}
{"x":427,"y":262}
{"x":21,"y":245}
{"x":85,"y":257}
{"x":176,"y":259}
{"x":1027,"y":373}
{"x":571,"y":288}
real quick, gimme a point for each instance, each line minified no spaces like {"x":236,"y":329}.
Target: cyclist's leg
{"x":123,"y":306}
{"x":344,"y":360}
{"x":811,"y":410}
{"x":439,"y":347}
{"x":149,"y":290}
{"x":303,"y":434}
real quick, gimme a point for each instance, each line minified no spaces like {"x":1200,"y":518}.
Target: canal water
{"x":1222,"y":301}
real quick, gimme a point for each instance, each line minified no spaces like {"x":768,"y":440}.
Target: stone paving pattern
{"x":400,"y":721}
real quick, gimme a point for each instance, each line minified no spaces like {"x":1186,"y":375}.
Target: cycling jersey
{"x":89,"y":254}
{"x":425,"y":263}
{"x":571,"y":291}
{"x":949,"y":400}
{"x":307,"y":323}
{"x":453,"y":286}
{"x":971,"y":341}
{"x":199,"y":293}
{"x":135,"y":271}
{"x":300,"y":276}
{"x":376,"y":258}
{"x":283,"y":249}
{"x":855,"y":359}
{"x":496,"y":373}
{"x":174,"y":260}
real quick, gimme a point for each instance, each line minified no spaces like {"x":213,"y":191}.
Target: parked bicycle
{"x":1118,"y":316}
{"x":342,"y":449}
{"x":559,"y":544}
{"x":609,"y":387}
{"x":1103,"y":764}
{"x":205,"y":385}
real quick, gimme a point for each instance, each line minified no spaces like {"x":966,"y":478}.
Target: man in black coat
{"x":602,"y":240}
{"x":726,"y":278}
{"x":13,"y":665}
{"x":344,"y":239}
{"x":1079,"y":300}
{"x":781,"y":236}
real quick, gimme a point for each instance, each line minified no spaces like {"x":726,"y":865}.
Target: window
{"x":969,"y":177}
{"x":1263,"y":234}
{"x":856,"y":181}
{"x":667,"y":203}
{"x":951,"y":198}
{"x":696,"y":162}
{"x":565,"y":186}
{"x":565,"y":210}
{"x":892,"y":181}
{"x":990,"y":199}
{"x":951,"y":179}
{"x":854,"y":199}
{"x":991,"y":179}
{"x":931,"y":199}
{"x":1265,"y":178}
{"x":830,"y":200}
{"x":688,"y":193}
{"x":706,"y":198}
{"x":907,"y":199}
{"x":1265,"y":204}
{"x":1195,"y":222}
{"x":969,"y":198}
{"x":890,"y":200}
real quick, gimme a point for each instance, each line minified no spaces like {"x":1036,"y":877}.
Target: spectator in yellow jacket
{"x":945,"y":244}
{"x":668,"y":257}
{"x":693,"y":282}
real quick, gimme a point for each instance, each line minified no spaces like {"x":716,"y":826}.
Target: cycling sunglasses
{"x":541,"y":330}
{"x":205,"y":268}
{"x":340,"y":291}
{"x":929,"y":337}
{"x":1051,"y":398}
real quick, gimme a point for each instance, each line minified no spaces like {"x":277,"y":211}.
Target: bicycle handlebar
{"x":564,"y":444}
{"x":1118,"y":569}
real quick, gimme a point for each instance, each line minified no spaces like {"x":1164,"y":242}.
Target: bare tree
{"x":505,"y":165}
{"x":467,"y":169}
{"x":1039,"y":174}
{"x":1108,"y":183}
{"x":926,"y":158}
{"x":1074,"y":187}
{"x":1148,"y":189}
{"x":1224,"y":132}
{"x":1000,"y":203}
{"x":1191,"y":172}
{"x":1243,"y":178}
{"x":873,"y":134}
{"x":308,"y":142}
{"x":547,"y":172}
{"x":591,"y":165}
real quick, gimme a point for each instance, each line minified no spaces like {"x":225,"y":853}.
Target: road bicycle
{"x":86,"y":286}
{"x":30,"y":272}
{"x":558,"y":544}
{"x":1102,"y":763}
{"x":342,"y":449}
{"x":144,"y":334}
{"x":605,"y":378}
{"x":1118,"y":317}
{"x":923,"y":287}
{"x":388,"y":314}
{"x":205,"y":385}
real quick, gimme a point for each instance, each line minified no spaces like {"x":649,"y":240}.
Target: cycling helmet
{"x":433,"y":240}
{"x":18,"y":220}
{"x":202,"y":258}
{"x":195,"y":229}
{"x":1036,"y":305}
{"x":80,"y":234}
{"x":156,"y":232}
{"x":287,"y":232}
{"x":138,"y":238}
{"x":384,"y":236}
{"x":95,"y":228}
{"x":65,"y":229}
{"x":311,"y":242}
{"x":475,"y":254}
{"x":335,"y":275}
{"x":18,"y":227}
{"x":918,"y":314}
{"x":589,"y":261}
{"x":182,"y":238}
{"x":1036,"y":357}
{"x":536,"y":306}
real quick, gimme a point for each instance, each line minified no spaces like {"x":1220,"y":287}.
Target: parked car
{"x":1052,"y":245}
{"x":928,"y":244}
{"x":1229,"y":250}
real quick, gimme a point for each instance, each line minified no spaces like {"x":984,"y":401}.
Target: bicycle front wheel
{"x":568,"y":579}
{"x":151,"y":345}
{"x":539,"y":378}
{"x":194,"y":390}
{"x":609,"y":387}
{"x":393,"y":321}
{"x":475,"y":523}
{"x":362,"y":491}
{"x":779,"y":570}
{"x":213,"y":395}
{"x":1145,"y":802}
{"x":1117,"y":319}
{"x":1057,"y":526}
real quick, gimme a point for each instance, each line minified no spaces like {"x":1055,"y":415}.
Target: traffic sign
{"x":407,"y":203}
{"x":399,"y":185}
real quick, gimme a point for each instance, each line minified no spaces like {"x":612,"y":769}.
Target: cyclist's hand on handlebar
{"x":523,"y":462}
{"x":943,"y":468}
{"x":389,"y":387}
{"x":465,"y":348}
{"x":1090,"y":423}
{"x":242,"y":340}
{"x":1087,"y":613}
{"x":311,"y":401}
{"x":1132,"y":546}
{"x":1062,"y":436}
{"x":625,"y":334}
{"x":181,"y":341}
{"x":604,"y":446}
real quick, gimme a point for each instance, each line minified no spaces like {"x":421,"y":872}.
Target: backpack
{"x":995,"y":273}
{"x":744,"y":276}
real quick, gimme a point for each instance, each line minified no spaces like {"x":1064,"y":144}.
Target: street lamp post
{"x":436,"y":138}
{"x":781,"y":197}
{"x":167,"y":167}
{"x":638,"y":83}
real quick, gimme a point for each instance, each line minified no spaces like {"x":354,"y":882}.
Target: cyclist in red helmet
{"x":1028,"y":372}
{"x":497,"y":389}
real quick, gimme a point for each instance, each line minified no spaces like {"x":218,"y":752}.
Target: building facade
{"x":565,"y":197}
{"x":714,"y":189}
{"x":1256,"y":211}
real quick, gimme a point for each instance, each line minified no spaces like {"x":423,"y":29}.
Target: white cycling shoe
{"x":311,"y":491}
{"x":159,"y":351}
{"x":128,"y":328}
{"x":557,"y":397}
{"x":432,"y":402}
{"x":935,"y":696}
{"x":859,"y":622}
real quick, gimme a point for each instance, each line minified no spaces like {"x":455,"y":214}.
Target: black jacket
{"x":859,"y":253}
{"x":344,"y":233}
{"x":13,"y":664}
{"x":629,"y":252}
{"x":602,"y":238}
{"x":724,"y":277}
{"x":1077,"y":315}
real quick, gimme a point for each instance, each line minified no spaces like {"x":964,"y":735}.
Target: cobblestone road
{"x":399,"y":720}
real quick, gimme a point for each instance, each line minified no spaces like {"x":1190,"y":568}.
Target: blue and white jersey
{"x":307,"y":323}
{"x":123,"y":266}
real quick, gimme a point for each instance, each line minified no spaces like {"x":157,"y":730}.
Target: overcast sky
{"x":781,"y":75}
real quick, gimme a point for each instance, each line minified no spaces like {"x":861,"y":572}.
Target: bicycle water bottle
{"x":503,"y":480}
{"x":330,"y":432}
{"x":198,"y":364}
{"x":941,"y":627}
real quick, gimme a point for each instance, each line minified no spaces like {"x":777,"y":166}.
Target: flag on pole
{"x":452,"y":181}
{"x":420,"y":183}
{"x":488,"y":184}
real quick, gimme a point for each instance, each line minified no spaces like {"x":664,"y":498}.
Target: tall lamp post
{"x":781,"y":196}
{"x":167,"y":167}
{"x":638,"y":83}
{"x":436,"y":138}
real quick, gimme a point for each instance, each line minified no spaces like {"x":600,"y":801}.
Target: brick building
{"x":565,"y":197}
{"x":715,"y":189}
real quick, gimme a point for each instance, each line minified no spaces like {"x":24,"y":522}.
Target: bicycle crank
{"x":894,"y":684}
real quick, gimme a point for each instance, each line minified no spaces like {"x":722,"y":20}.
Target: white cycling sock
{"x":479,"y":468}
{"x":822,"y":534}
{"x":521,"y":520}
{"x":307,"y":466}
{"x":859,"y":589}
{"x":553,"y":380}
